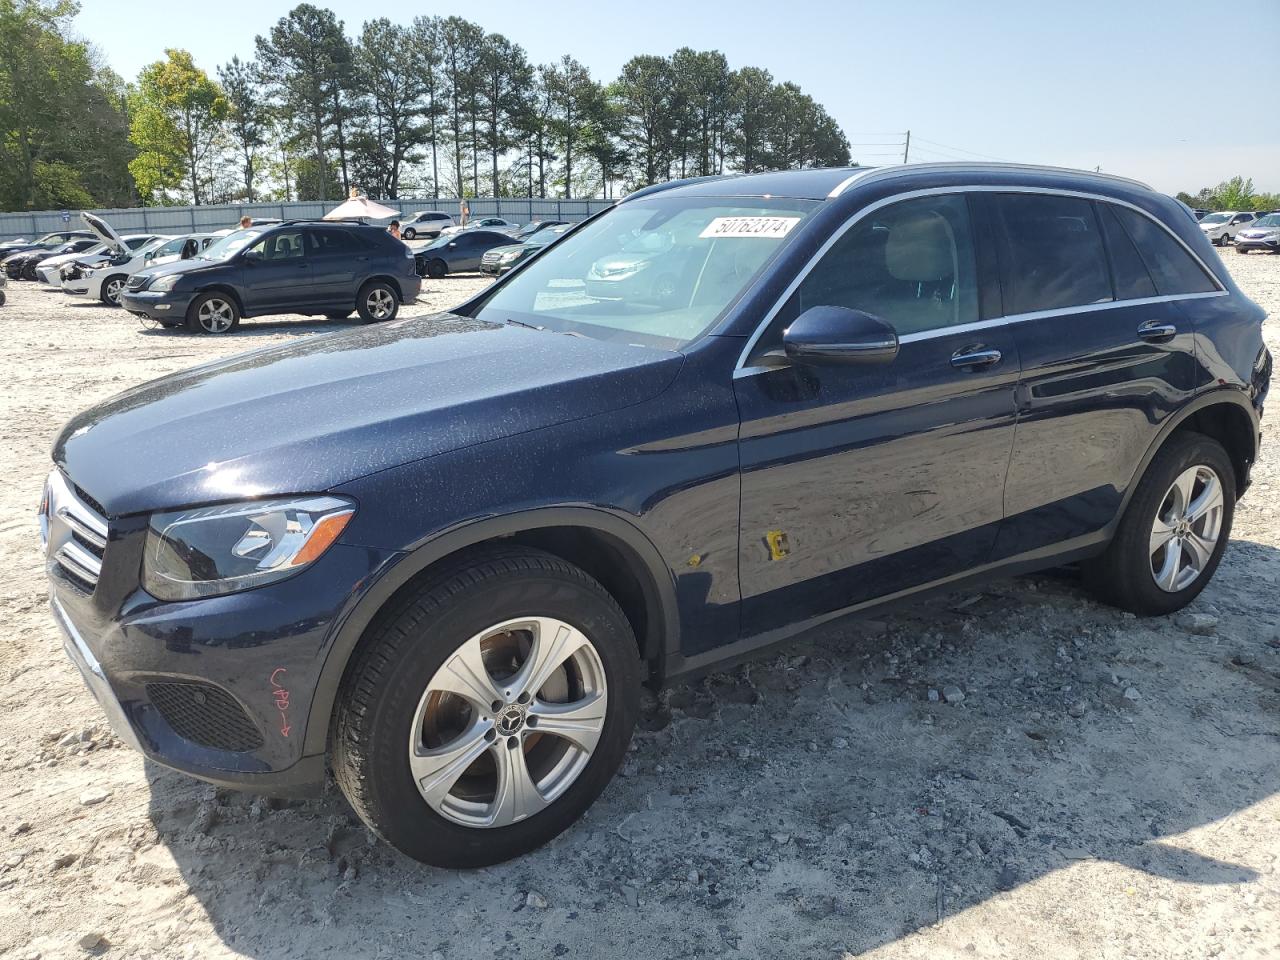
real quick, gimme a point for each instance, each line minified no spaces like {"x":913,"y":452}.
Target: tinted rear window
{"x":1172,"y":268}
{"x":1130,"y":273}
{"x":1054,"y":256}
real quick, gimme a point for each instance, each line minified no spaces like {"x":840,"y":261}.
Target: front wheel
{"x":377,"y":302}
{"x":29,"y":272}
{"x":484,"y":713}
{"x":437,"y":268}
{"x":1174,"y":531}
{"x":409,"y":233}
{"x":213,"y":313}
{"x":112,"y":287}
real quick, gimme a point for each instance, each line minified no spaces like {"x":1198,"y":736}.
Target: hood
{"x":83,"y":256}
{"x":103,"y":231}
{"x":307,"y":416}
{"x":166,"y":266}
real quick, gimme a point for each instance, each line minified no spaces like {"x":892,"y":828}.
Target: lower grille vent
{"x":204,"y":714}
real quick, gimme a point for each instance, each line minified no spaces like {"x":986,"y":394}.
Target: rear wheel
{"x":487,"y":711}
{"x":437,"y":268}
{"x":213,"y":313}
{"x":1174,"y":531}
{"x":112,"y":287}
{"x":377,"y":302}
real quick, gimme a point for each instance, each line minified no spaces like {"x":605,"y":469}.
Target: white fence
{"x":217,"y":216}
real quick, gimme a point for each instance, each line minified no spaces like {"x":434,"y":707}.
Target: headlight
{"x":164,"y":283}
{"x":210,"y":551}
{"x":510,"y":255}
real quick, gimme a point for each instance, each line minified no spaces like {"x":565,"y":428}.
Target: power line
{"x":974,"y":153}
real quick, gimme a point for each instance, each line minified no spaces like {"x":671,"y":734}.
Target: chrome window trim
{"x":742,"y":370}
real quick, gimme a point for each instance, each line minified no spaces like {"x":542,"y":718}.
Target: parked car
{"x":299,"y":266}
{"x":498,"y":260}
{"x":1199,"y":213}
{"x":49,"y":241}
{"x":53,"y":270}
{"x":533,"y":226}
{"x":1262,"y":234}
{"x":483,"y":223}
{"x":428,"y":223}
{"x":1222,"y":226}
{"x":457,"y":252}
{"x":22,"y":266}
{"x":441,"y":556}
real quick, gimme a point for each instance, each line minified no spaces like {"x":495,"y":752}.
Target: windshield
{"x":1270,"y":220}
{"x":657,"y":271}
{"x":231,"y":244}
{"x":1216,"y":218}
{"x":52,"y":241}
{"x":545,"y":236}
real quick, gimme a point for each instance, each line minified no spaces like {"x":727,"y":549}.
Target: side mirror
{"x":150,"y":255}
{"x":251,"y":256}
{"x":838,"y":335}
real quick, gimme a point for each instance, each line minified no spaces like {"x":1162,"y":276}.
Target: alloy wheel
{"x":216,"y":315}
{"x":381,"y":303}
{"x":508,"y":723}
{"x":114,"y":287}
{"x":1186,"y":528}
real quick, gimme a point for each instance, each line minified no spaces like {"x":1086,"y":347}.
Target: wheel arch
{"x":610,"y":548}
{"x":1223,"y":414}
{"x":383,"y":278}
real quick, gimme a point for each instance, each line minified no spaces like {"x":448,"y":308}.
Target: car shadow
{"x":835,"y":796}
{"x":261,"y":328}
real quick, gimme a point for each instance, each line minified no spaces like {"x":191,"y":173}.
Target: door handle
{"x":1157,"y":331}
{"x":975,"y":358}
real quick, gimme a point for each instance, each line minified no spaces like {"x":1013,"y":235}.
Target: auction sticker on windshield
{"x":770,"y":227}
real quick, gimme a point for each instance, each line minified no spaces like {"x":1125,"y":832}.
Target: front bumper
{"x":1246,"y":243}
{"x":166,"y":307}
{"x":173,"y":678}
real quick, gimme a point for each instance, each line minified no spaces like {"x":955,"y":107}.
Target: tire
{"x":437,"y":268}
{"x":1226,"y":239}
{"x":1240,"y":250}
{"x":1126,"y":575}
{"x":409,"y":234}
{"x":29,"y":272}
{"x":2,"y":298}
{"x":215,"y":313}
{"x":377,"y":302}
{"x":111,"y":289}
{"x":385,"y":709}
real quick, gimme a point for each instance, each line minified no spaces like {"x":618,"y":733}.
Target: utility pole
{"x":906,"y":150}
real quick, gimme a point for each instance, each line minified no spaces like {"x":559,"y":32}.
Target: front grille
{"x":75,"y":531}
{"x":204,"y":714}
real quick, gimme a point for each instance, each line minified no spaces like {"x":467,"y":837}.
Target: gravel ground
{"x":1106,"y":788}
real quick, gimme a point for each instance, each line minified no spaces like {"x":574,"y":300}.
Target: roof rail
{"x":884,"y":173}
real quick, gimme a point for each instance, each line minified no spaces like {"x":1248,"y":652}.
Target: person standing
{"x":394,"y":229}
{"x":464,"y":213}
{"x":246,"y":223}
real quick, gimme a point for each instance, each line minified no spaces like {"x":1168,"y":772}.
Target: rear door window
{"x":1127,"y":268}
{"x":1053,"y":254}
{"x":1172,"y":268}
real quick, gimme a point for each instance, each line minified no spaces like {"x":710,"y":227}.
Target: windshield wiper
{"x":521,"y":323}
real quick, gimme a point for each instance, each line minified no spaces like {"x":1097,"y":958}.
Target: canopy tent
{"x":360,"y":207}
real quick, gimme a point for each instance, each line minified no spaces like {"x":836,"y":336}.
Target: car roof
{"x":830,"y":182}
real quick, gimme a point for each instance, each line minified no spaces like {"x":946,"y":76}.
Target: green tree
{"x":425,"y":44}
{"x":505,"y":81}
{"x":643,"y":93}
{"x":177,"y":122}
{"x":302,"y":61}
{"x":247,"y":116}
{"x":459,"y":45}
{"x":571,"y":94}
{"x":749,"y":117}
{"x":52,"y":110}
{"x":393,"y":129}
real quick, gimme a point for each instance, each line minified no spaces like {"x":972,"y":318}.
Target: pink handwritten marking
{"x":280,"y":693}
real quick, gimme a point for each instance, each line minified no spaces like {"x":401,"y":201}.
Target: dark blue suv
{"x":443,"y":554}
{"x":299,"y":266}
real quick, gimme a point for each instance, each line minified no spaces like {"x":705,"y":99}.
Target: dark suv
{"x":444,"y":554}
{"x":308,"y":267}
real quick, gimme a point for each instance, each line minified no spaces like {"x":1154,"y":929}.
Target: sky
{"x":1145,"y":88}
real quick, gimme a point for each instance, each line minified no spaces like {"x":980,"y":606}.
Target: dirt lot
{"x":1107,"y":788}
